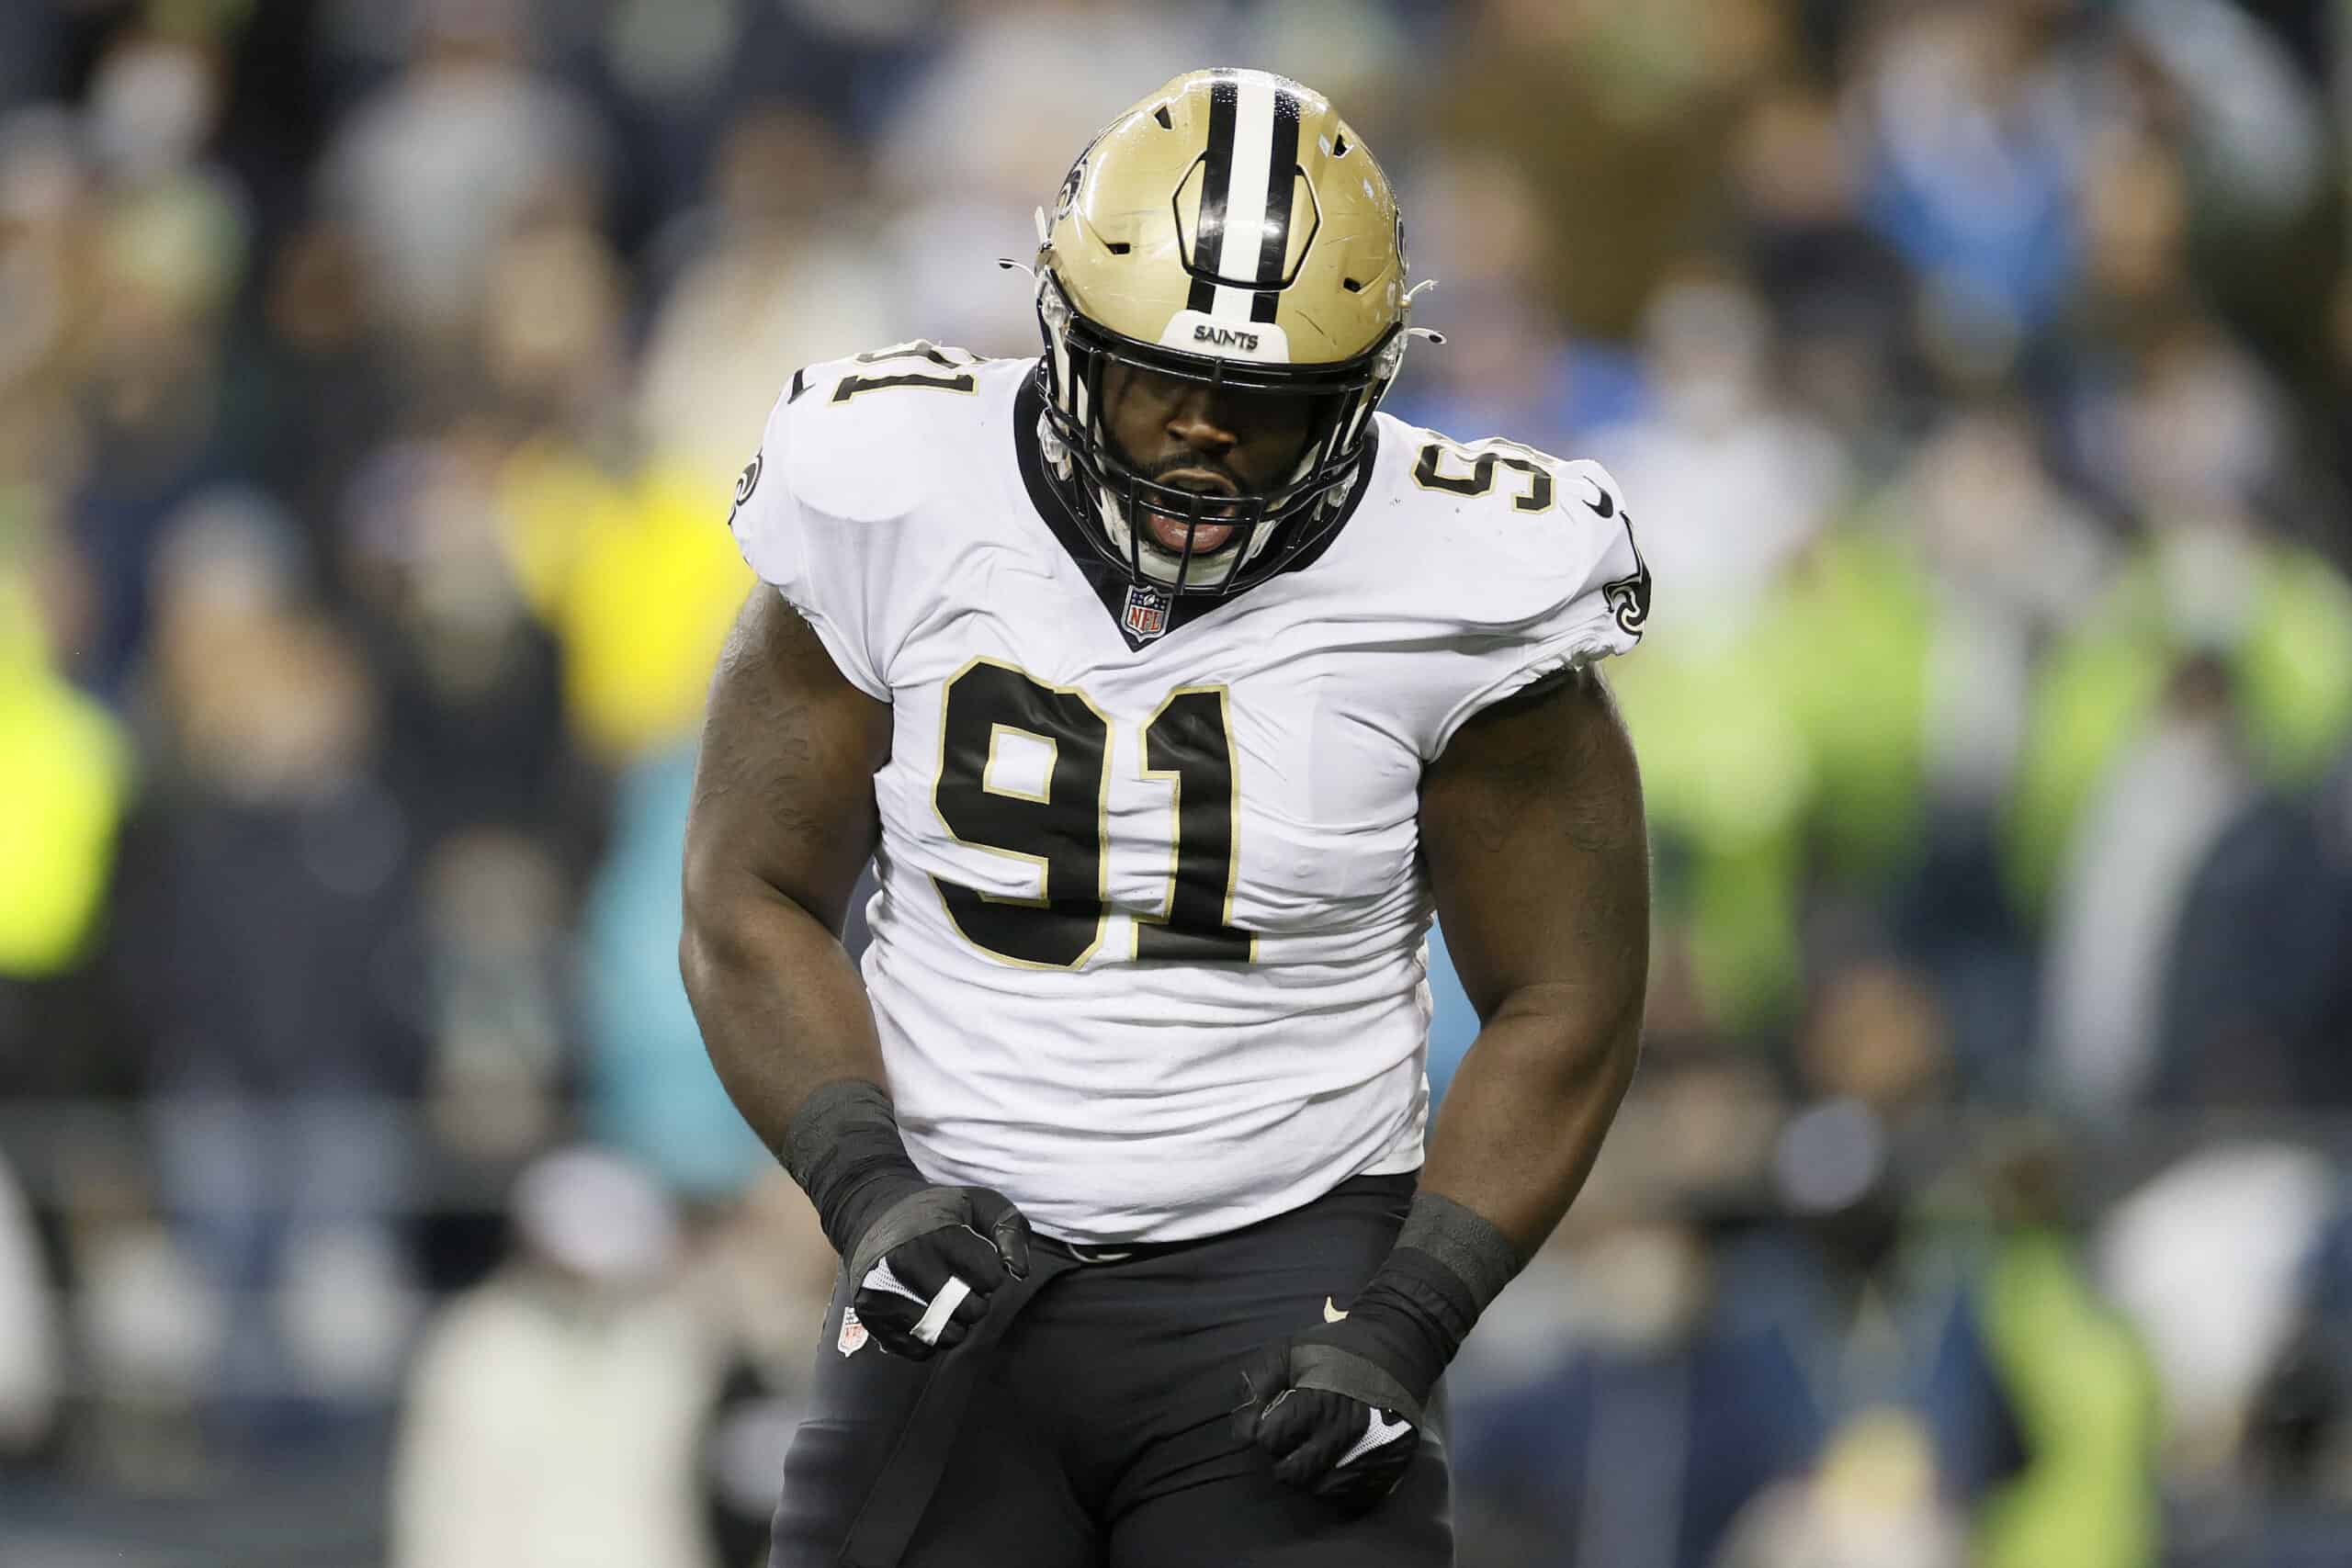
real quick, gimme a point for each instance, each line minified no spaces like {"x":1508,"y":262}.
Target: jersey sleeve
{"x":812,"y":556}
{"x":1565,"y":596}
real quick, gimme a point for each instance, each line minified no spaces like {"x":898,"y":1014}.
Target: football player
{"x":1169,"y":687}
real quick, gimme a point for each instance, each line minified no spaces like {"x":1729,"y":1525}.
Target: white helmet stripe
{"x":1245,"y":206}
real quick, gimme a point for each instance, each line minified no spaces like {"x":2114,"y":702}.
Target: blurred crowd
{"x":372,"y":377}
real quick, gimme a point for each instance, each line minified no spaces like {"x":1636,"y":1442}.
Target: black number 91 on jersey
{"x":1063,"y":830}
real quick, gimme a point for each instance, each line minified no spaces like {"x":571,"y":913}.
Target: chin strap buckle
{"x":1051,"y":448}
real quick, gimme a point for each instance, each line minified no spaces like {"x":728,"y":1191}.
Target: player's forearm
{"x":1525,"y":1115}
{"x":782,"y":1008}
{"x":1519,"y":1129}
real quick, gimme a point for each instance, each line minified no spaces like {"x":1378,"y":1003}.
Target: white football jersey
{"x":1148,"y":951}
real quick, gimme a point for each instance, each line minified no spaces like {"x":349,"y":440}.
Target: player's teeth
{"x":1170,"y":534}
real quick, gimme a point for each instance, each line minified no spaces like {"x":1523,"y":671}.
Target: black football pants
{"x":1097,"y":1429}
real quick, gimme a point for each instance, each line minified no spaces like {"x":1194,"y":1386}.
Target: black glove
{"x":922,"y":1259}
{"x":917,"y":1247}
{"x":1338,"y":1408}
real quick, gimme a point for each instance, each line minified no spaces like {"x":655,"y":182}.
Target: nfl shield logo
{"x":1146,"y":615}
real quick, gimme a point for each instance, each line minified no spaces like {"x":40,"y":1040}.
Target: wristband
{"x":1448,"y":1264}
{"x":842,"y":1148}
{"x":1464,"y":1243}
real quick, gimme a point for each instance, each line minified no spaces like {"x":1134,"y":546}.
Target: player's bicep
{"x":783,"y":792}
{"x":1533,"y":831}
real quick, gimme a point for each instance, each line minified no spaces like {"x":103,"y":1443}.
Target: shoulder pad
{"x":1526,"y":480}
{"x":1536,"y":525}
{"x":1531,"y":556}
{"x":866,"y":431}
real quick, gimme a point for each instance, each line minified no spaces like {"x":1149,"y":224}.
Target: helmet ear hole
{"x":1353,"y":285}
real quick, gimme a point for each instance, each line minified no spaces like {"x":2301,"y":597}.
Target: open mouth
{"x":1202,"y":533}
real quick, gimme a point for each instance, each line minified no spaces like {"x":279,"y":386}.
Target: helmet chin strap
{"x":1121,"y":529}
{"x":1050,"y":446}
{"x":1155,"y":563}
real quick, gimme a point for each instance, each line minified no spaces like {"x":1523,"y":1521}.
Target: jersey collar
{"x":1109,"y":583}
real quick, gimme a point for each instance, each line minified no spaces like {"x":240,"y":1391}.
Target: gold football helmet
{"x":1229,"y":228}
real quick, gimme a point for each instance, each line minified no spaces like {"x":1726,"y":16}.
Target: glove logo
{"x":853,"y":1335}
{"x":1332,"y":1314}
{"x":1379,"y":1427}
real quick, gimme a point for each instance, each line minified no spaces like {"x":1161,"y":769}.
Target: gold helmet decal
{"x":1229,"y":228}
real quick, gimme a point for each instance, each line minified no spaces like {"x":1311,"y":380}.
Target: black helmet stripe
{"x":1282,"y":174}
{"x":1216,"y":183}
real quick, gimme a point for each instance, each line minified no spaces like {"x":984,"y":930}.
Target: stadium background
{"x":372,"y":376}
